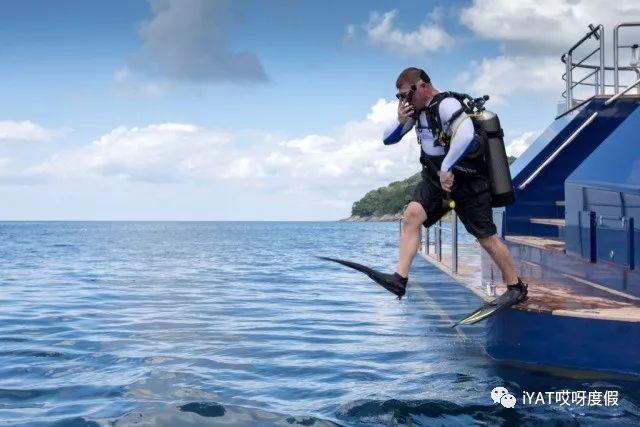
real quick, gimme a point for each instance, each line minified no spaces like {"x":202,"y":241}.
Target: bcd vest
{"x":486,"y":155}
{"x":473,"y":161}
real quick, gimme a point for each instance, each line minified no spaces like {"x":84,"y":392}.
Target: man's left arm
{"x":462,"y":133}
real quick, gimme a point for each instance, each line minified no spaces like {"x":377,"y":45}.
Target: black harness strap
{"x":433,"y":113}
{"x":437,"y":128}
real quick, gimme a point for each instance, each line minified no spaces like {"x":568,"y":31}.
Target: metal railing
{"x":425,"y":240}
{"x":600,"y":82}
{"x":596,"y":73}
{"x":438,"y":241}
{"x":575,"y":134}
{"x":635,"y":63}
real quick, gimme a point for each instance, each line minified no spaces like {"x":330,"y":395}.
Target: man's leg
{"x":501,"y":256}
{"x":473,"y":199}
{"x":414,"y":216}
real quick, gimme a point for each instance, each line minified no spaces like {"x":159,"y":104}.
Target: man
{"x":447,"y":171}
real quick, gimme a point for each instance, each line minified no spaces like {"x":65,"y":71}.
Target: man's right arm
{"x":395,"y":131}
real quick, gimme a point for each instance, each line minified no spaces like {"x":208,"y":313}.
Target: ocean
{"x":237,"y":323}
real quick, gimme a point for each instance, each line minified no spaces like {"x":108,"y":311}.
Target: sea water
{"x":236,"y":323}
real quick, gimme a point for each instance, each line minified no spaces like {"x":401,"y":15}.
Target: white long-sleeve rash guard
{"x":461,"y":138}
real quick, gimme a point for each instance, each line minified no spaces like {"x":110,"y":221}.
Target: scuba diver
{"x":454,"y":168}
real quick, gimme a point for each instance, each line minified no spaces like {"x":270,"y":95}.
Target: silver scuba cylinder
{"x":502,"y":191}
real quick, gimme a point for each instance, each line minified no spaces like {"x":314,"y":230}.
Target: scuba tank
{"x":502,"y":191}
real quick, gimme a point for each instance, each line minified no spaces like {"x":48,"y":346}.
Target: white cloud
{"x":383,"y":34}
{"x":534,"y":26}
{"x":532,"y":35}
{"x":382,"y":111}
{"x":12,"y":174}
{"x":244,"y":168}
{"x":156,"y":153}
{"x":344,"y":164}
{"x":504,"y":75}
{"x":28,"y":131}
{"x":277,"y":160}
{"x":518,"y":145}
{"x":309,"y":144}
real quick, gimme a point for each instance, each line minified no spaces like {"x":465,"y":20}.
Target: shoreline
{"x":381,"y":218}
{"x":373,"y":218}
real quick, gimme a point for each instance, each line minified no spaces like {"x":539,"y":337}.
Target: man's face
{"x":417,"y":94}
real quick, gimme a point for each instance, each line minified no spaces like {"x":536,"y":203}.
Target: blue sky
{"x":250,"y":110}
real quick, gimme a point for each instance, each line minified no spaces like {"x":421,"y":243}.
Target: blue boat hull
{"x":562,"y":341}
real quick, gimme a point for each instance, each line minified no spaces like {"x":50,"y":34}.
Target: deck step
{"x":538,"y":242}
{"x":558,"y":222}
{"x":564,"y":295}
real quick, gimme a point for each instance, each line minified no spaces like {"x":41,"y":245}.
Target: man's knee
{"x":414,"y":215}
{"x":488,"y":241}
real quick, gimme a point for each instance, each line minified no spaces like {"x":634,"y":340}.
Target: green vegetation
{"x":387,"y":200}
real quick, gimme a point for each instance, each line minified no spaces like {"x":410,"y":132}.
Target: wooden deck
{"x":549,"y":291}
{"x":580,"y":299}
{"x":558,"y":222}
{"x":538,"y":242}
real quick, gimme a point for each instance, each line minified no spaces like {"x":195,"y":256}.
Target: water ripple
{"x":170,"y":324}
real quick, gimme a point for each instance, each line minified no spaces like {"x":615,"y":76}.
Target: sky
{"x":253,"y":110}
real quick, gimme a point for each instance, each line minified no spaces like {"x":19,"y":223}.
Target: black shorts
{"x":473,"y":203}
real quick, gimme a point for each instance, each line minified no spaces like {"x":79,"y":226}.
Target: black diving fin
{"x":393,"y":283}
{"x":514,"y":294}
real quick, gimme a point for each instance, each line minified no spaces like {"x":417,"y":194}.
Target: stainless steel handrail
{"x":569,"y":80}
{"x":557,"y":151}
{"x":619,"y":94}
{"x":600,"y":83}
{"x":574,"y":135}
{"x":454,"y":243}
{"x":594,"y":32}
{"x":585,"y":78}
{"x":567,"y":58}
{"x":439,"y":241}
{"x":425,"y":246}
{"x":616,"y":47}
{"x":577,"y":64}
{"x":607,"y":68}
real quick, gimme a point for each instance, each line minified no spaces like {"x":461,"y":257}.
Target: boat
{"x":574,"y":230}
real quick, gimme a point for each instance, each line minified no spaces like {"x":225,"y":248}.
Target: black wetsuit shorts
{"x":473,"y":203}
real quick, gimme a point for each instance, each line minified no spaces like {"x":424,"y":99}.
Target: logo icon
{"x":501,"y":395}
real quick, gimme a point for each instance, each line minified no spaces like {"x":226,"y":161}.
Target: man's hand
{"x":405,"y":111}
{"x":446,"y":180}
